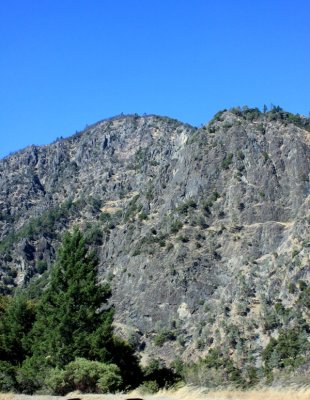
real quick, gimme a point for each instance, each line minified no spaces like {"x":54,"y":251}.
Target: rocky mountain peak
{"x":200,"y":231}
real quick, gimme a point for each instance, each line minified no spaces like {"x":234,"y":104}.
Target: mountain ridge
{"x":200,"y":231}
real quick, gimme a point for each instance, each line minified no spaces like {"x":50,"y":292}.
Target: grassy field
{"x":263,"y":394}
{"x":185,"y":394}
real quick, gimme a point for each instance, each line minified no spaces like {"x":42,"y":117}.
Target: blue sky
{"x":68,"y":63}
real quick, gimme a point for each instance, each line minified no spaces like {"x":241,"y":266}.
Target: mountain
{"x":203,"y":233}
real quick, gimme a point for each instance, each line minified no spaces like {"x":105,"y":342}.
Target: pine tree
{"x":72,"y":319}
{"x":15,"y":323}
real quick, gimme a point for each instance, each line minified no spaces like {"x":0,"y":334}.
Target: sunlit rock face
{"x":200,"y":232}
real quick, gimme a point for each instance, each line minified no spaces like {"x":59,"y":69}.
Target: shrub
{"x":105,"y":217}
{"x":294,"y":253}
{"x":302,"y":285}
{"x":85,"y":376}
{"x":45,"y":223}
{"x":31,"y":375}
{"x":169,"y":246}
{"x":176,"y":226}
{"x":7,"y":377}
{"x":158,"y":376}
{"x":304,"y":297}
{"x":148,"y":387}
{"x":265,"y":155}
{"x":287,"y":350}
{"x":184,"y":239}
{"x":216,"y":369}
{"x":292,"y":288}
{"x":111,"y":381}
{"x":163,"y":336}
{"x":241,"y":155}
{"x":94,"y":235}
{"x":218,"y":116}
{"x":186,"y":205}
{"x":41,"y":266}
{"x":56,"y":382}
{"x":227,"y":161}
{"x":143,"y":215}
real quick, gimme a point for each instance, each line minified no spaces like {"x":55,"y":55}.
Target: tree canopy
{"x":68,"y":324}
{"x":72,"y":317}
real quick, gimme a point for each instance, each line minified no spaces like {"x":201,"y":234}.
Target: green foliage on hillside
{"x":43,"y":224}
{"x":49,"y":220}
{"x":286,"y":351}
{"x":158,"y":376}
{"x":15,"y":324}
{"x":216,"y":369}
{"x":67,"y":333}
{"x":69,"y":323}
{"x":275,"y":113}
{"x":86,"y":376}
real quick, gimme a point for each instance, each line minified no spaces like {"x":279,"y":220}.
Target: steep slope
{"x":203,"y":233}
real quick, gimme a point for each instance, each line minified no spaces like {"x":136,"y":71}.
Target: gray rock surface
{"x":199,"y":231}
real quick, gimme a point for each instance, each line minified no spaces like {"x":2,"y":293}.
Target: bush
{"x":105,"y":217}
{"x":16,"y":322}
{"x":186,"y":205}
{"x":111,"y":381}
{"x":176,"y":226}
{"x":157,"y":373}
{"x":7,"y":377}
{"x":94,"y":235}
{"x":143,"y":215}
{"x":286,"y":351}
{"x":56,"y":382}
{"x":304,"y":297}
{"x":31,"y":375}
{"x":214,"y":370}
{"x":128,"y":362}
{"x":227,"y":161}
{"x":163,"y":336}
{"x":41,"y":266}
{"x":148,"y":387}
{"x":86,"y":376}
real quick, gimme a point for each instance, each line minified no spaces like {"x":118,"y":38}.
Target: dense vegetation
{"x":274,"y":113}
{"x":62,"y":340}
{"x":58,"y":340}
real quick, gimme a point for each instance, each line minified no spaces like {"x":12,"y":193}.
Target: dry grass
{"x":6,"y":396}
{"x":187,"y":393}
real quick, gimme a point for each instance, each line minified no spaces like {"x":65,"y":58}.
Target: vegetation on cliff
{"x":202,"y":238}
{"x":65,"y":336}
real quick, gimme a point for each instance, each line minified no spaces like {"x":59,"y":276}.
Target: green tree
{"x":73,"y":319}
{"x":85,"y":376}
{"x":288,"y":351}
{"x":16,"y":321}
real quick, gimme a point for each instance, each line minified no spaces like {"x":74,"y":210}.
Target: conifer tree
{"x":15,"y":323}
{"x":72,"y":320}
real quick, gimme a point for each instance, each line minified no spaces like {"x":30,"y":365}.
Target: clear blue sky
{"x":68,"y":63}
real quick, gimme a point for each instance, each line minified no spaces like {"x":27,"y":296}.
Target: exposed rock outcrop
{"x":200,"y":231}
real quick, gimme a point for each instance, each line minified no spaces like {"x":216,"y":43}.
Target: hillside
{"x":203,"y":233}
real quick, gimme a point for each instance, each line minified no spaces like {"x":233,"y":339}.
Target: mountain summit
{"x":203,"y":233}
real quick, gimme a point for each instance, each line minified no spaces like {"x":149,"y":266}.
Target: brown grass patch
{"x":187,"y":393}
{"x":6,"y":396}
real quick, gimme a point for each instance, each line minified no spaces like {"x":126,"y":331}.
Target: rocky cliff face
{"x":203,"y":233}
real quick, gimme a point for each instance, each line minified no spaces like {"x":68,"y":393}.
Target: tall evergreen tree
{"x":15,"y":323}
{"x":73,"y":319}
